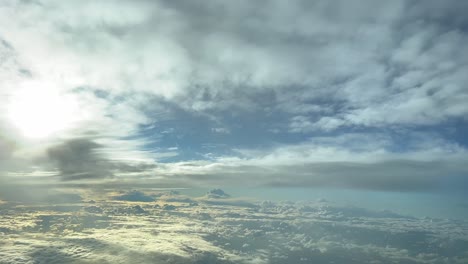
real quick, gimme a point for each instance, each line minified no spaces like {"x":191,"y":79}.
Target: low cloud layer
{"x":210,"y":232}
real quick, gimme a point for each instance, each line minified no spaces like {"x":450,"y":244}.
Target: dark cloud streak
{"x":78,"y":159}
{"x":393,"y":175}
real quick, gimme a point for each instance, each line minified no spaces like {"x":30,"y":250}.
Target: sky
{"x":359,"y":95}
{"x":219,"y":132}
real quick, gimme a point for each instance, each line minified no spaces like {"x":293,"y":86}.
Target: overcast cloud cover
{"x":359,"y":94}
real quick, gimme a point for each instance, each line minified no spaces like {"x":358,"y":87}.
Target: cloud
{"x":160,"y":86}
{"x":359,"y":75}
{"x":277,"y":232}
{"x":392,"y":175}
{"x":217,"y":194}
{"x":6,"y":148}
{"x":15,"y":191}
{"x":343,"y":94}
{"x":78,"y":159}
{"x":135,"y":196}
{"x":361,"y":161}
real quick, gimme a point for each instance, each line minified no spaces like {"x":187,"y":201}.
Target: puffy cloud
{"x":272,"y":232}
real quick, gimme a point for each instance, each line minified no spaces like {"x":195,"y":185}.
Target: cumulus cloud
{"x":270,"y":232}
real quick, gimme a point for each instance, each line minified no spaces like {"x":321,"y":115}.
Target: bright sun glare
{"x":39,"y":111}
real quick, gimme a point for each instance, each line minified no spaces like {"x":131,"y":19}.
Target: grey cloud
{"x":132,"y":167}
{"x":10,"y":66}
{"x":390,"y":175}
{"x":10,"y":161}
{"x":79,"y":159}
{"x":229,"y":202}
{"x":375,"y":88}
{"x":134,"y":196}
{"x":371,"y":66}
{"x":32,"y":193}
{"x":303,"y":50}
{"x":6,"y":148}
{"x":217,"y":194}
{"x":396,"y":175}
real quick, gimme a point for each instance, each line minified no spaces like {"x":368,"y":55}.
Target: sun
{"x":40,"y":111}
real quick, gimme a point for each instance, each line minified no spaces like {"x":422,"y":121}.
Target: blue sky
{"x":349,"y":94}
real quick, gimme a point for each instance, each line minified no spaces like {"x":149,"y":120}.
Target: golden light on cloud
{"x":38,"y":110}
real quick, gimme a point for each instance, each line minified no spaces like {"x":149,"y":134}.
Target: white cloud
{"x":269,"y":232}
{"x":317,"y":67}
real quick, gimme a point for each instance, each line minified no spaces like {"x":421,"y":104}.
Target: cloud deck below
{"x":173,"y":228}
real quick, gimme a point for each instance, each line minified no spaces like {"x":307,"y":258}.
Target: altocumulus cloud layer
{"x":300,"y":93}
